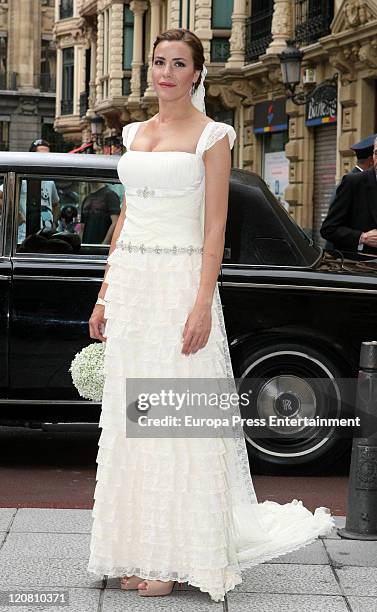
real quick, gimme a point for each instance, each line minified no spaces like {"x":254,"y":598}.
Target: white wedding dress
{"x":175,"y":508}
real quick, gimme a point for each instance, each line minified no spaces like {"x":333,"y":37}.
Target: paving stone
{"x":84,"y":600}
{"x":242,"y":602}
{"x":289,"y":578}
{"x":131,"y":601}
{"x":48,"y":520}
{"x":358,"y":580}
{"x":40,"y":545}
{"x":311,"y":554}
{"x":362,"y":604}
{"x":42,"y":572}
{"x":352,"y":552}
{"x":6,"y":515}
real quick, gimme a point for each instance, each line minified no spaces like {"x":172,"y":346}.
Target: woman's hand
{"x":197,"y":329}
{"x":97,"y":323}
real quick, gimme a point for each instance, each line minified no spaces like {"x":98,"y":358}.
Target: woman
{"x":176,"y":508}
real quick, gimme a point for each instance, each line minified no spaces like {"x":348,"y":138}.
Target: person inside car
{"x":99,"y":214}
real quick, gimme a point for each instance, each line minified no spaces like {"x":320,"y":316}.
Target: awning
{"x":81,"y":148}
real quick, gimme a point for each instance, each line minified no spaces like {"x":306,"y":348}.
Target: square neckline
{"x":196,"y":154}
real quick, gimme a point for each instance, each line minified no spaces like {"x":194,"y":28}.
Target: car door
{"x":56,"y":281}
{"x":6,"y":211}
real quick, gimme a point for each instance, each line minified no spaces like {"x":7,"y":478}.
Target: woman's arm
{"x":217,"y":160}
{"x":115,"y":237}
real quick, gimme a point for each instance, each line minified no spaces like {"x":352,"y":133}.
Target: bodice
{"x":165,"y":190}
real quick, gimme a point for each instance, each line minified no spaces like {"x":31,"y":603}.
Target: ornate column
{"x":99,"y":56}
{"x":281,"y":27}
{"x":237,"y":39}
{"x":173,"y":13}
{"x":116,"y":49}
{"x":154,"y":30}
{"x":93,"y":69}
{"x":203,"y":25}
{"x":59,"y":78}
{"x":138,"y":7}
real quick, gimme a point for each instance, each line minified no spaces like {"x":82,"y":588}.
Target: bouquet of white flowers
{"x":87,"y":370}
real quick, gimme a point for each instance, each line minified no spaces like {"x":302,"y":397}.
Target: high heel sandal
{"x":130,"y":583}
{"x":156,"y":588}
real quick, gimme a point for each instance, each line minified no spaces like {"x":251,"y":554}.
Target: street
{"x":57,"y":470}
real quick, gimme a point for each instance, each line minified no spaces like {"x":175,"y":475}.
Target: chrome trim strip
{"x":49,"y":402}
{"x":51,"y":260}
{"x":81,"y":279}
{"x":4,"y":277}
{"x":300,"y":287}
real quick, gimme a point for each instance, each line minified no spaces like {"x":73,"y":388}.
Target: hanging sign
{"x":322,"y":103}
{"x":270,"y":116}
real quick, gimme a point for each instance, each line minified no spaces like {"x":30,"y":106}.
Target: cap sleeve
{"x":125,"y":134}
{"x":217,"y":131}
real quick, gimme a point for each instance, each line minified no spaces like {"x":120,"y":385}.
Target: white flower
{"x":87,"y":370}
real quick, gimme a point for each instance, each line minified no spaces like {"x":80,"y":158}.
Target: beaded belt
{"x":175,"y":250}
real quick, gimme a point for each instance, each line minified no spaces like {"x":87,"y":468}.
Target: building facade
{"x":104,"y":50}
{"x":27,"y":72}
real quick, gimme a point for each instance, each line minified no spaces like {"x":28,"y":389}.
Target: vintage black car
{"x":295,"y":315}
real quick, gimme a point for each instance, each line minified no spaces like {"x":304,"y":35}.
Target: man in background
{"x":364,"y":154}
{"x":99,"y":214}
{"x":351,"y":223}
{"x":50,"y":209}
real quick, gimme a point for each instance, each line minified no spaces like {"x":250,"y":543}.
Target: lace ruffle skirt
{"x":163,"y":507}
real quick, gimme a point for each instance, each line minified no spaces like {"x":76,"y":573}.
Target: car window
{"x":259,"y":231}
{"x":1,"y":203}
{"x":64,"y":215}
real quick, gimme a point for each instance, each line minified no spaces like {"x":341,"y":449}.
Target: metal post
{"x":361,"y":520}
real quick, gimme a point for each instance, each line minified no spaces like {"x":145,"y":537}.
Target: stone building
{"x":103,"y":56}
{"x":27,"y":72}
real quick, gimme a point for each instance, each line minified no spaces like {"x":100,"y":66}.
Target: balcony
{"x":258,"y":29}
{"x":66,"y":9}
{"x":312,"y":20}
{"x":8,"y":81}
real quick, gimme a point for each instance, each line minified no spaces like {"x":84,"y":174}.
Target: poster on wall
{"x":276,"y":174}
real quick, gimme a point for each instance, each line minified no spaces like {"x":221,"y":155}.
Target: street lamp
{"x":96,"y":128}
{"x":290,"y":63}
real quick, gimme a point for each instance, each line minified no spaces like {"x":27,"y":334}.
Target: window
{"x":258,"y":33}
{"x":66,"y":215}
{"x":220,"y":49}
{"x":1,"y":203}
{"x":221,"y":20}
{"x":67,"y":82}
{"x":128,"y":43}
{"x":66,"y":9}
{"x":128,"y":37}
{"x":312,"y":19}
{"x":4,"y":135}
{"x":222,"y":14}
{"x":106,"y":53}
{"x":47,"y":80}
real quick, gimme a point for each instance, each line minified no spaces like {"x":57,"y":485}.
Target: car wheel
{"x":289,"y":381}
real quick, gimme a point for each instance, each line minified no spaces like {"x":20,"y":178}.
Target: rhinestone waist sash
{"x":141,"y":248}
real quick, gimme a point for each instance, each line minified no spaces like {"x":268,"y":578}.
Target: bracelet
{"x":101,"y":301}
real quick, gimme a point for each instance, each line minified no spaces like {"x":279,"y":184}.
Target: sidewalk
{"x":47,"y":550}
